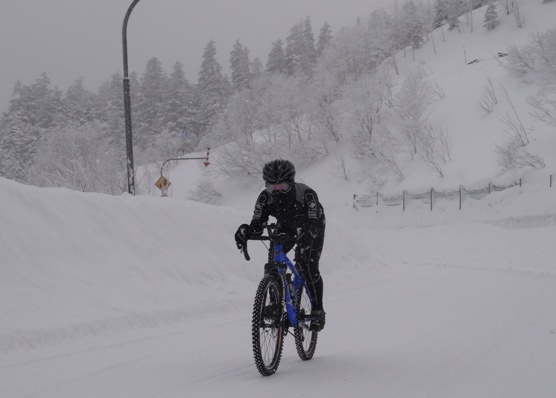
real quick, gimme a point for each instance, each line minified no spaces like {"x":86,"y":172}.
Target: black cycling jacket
{"x":298,"y":208}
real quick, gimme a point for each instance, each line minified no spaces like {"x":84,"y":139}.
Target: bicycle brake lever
{"x":244,"y":251}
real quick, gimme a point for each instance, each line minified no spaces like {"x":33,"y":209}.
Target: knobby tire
{"x":267,"y":329}
{"x":305,"y":339}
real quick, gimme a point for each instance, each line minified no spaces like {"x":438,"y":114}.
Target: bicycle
{"x":282,"y":300}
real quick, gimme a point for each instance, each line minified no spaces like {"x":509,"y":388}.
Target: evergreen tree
{"x":150,"y":114}
{"x":239,"y":66}
{"x":110,"y":97}
{"x":41,"y":104}
{"x":384,"y":32}
{"x":309,"y":54}
{"x":325,"y":37}
{"x":301,"y":54}
{"x":277,"y":63}
{"x":412,"y":25}
{"x":80,"y":105}
{"x":355,"y":52}
{"x":213,"y":89}
{"x":17,"y":145}
{"x":294,"y":49}
{"x":440,"y":13}
{"x":491,"y":17}
{"x":456,"y":8}
{"x":178,"y":110}
{"x":34,"y":110}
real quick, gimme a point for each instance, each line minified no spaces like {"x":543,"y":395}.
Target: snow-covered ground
{"x":104,"y":296}
{"x":138,"y":296}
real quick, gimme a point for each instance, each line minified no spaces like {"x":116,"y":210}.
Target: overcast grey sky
{"x":69,"y":39}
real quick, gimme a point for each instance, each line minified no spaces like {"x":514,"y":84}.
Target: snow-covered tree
{"x":179,"y":111}
{"x":276,"y":62}
{"x":33,"y":111}
{"x":300,"y":52}
{"x":80,"y":105}
{"x":412,"y":25}
{"x":325,"y":115}
{"x":325,"y":37}
{"x":456,"y":8}
{"x":421,"y":140}
{"x":213,"y":89}
{"x":440,"y":13}
{"x":309,"y":56}
{"x":412,"y":102}
{"x":294,"y":49}
{"x":238,"y":121}
{"x":18,"y":143}
{"x":240,"y":66}
{"x":365,"y":105}
{"x":537,"y":57}
{"x":149,"y":117}
{"x":491,"y":17}
{"x":111,"y":113}
{"x":77,"y":158}
{"x":352,"y":53}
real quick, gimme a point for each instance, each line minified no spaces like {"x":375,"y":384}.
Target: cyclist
{"x":298,"y":212}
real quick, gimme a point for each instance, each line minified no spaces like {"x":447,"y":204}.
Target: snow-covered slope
{"x":459,"y":64}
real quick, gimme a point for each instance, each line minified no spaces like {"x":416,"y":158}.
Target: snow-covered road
{"x":407,"y":331}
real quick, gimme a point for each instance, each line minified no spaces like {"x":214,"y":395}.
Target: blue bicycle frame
{"x":293,"y":282}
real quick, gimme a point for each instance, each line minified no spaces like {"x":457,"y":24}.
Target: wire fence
{"x":431,"y":196}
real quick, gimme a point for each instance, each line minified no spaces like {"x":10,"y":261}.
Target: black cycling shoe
{"x":319,"y":319}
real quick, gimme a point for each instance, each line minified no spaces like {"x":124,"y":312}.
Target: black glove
{"x":243,"y":234}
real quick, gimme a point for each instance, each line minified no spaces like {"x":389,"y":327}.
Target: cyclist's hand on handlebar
{"x":242,"y":235}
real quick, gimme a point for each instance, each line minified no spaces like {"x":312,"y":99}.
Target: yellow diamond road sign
{"x":162,"y":183}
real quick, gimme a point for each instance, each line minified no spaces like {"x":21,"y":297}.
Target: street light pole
{"x":127,"y":108}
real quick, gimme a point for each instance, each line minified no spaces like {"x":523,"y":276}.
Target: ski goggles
{"x":278,"y":187}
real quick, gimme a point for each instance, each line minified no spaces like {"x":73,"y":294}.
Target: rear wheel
{"x":305,"y":339}
{"x":267,"y":328}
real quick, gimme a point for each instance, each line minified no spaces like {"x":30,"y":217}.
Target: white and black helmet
{"x":278,"y":170}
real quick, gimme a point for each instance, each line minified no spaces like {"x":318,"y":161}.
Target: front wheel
{"x":305,"y":338}
{"x":267,"y":328}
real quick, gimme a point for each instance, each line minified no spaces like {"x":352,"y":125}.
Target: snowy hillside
{"x":461,"y":68}
{"x":147,"y":296}
{"x":459,"y":65}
